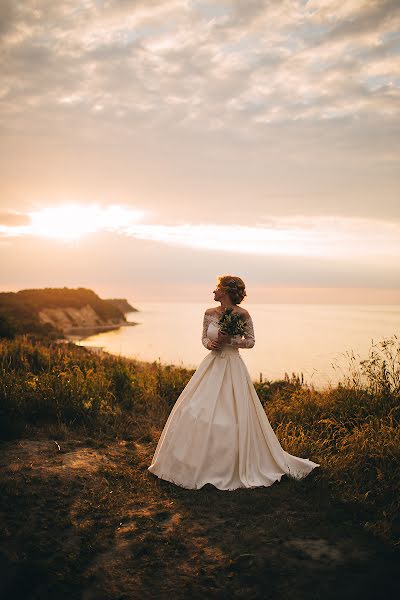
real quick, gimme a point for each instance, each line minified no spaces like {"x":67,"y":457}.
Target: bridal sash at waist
{"x":226,"y":350}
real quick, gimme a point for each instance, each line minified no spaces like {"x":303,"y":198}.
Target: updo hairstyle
{"x":234,"y":286}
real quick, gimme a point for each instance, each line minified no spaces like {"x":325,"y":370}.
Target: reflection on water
{"x":289,"y":337}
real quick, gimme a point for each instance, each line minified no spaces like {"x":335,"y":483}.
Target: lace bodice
{"x":237,"y":341}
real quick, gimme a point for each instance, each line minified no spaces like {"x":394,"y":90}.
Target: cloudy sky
{"x":150,"y":146}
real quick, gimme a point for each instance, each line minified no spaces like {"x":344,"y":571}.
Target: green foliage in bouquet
{"x":232,"y":323}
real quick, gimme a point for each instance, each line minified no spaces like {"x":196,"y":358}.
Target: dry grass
{"x":79,"y":431}
{"x":352,"y":430}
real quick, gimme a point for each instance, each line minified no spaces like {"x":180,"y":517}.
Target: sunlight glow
{"x":319,"y":237}
{"x":325,"y":237}
{"x":72,"y":221}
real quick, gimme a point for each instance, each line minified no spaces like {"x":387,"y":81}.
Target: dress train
{"x":218,"y":432}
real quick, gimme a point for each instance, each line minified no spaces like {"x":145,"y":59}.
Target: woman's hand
{"x":223,"y":338}
{"x":214,"y":345}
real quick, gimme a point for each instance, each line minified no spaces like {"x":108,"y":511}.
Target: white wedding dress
{"x":217,"y":431}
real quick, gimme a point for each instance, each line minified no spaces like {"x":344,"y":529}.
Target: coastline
{"x":80,"y":333}
{"x":298,"y":339}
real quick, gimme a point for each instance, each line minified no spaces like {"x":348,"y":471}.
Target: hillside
{"x":122,"y":304}
{"x":83,"y":518}
{"x":56,"y":312}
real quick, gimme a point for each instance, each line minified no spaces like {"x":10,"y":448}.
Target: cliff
{"x":57,"y":311}
{"x":72,"y":320}
{"x":122,"y":304}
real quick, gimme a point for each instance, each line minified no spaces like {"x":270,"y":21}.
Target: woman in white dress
{"x":217,"y":431}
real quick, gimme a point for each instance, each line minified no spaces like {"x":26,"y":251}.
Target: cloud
{"x":321,"y":237}
{"x":13,"y":220}
{"x":204,"y":111}
{"x":354,"y":18}
{"x":70,"y":221}
{"x":117,"y":262}
{"x":181,"y":62}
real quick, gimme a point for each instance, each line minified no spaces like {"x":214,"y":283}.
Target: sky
{"x":150,"y":146}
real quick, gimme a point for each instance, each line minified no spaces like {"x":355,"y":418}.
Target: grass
{"x":66,"y":385}
{"x":80,"y":429}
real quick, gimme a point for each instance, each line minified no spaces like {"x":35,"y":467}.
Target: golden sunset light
{"x":320,"y":238}
{"x":73,"y":221}
{"x":332,"y":238}
{"x":200,"y":299}
{"x":236,"y":136}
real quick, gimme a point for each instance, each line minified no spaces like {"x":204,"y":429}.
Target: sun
{"x":73,"y":221}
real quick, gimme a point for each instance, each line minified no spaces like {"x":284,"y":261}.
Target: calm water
{"x":300,"y":338}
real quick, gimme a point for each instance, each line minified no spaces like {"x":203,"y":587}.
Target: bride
{"x":217,"y":431}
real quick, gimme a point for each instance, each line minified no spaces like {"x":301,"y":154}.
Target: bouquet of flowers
{"x":232,"y":323}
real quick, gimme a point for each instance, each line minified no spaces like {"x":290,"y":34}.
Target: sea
{"x":313,"y":341}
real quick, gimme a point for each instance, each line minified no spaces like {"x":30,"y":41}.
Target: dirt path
{"x":85,"y":519}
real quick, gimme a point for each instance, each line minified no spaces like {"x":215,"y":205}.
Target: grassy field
{"x":83,"y":518}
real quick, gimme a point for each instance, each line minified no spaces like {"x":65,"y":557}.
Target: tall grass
{"x":352,"y":430}
{"x":50,"y":383}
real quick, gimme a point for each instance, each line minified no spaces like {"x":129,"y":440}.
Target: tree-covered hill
{"x":19,"y":311}
{"x":122,"y":304}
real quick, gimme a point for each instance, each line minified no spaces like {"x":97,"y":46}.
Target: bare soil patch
{"x":83,"y":518}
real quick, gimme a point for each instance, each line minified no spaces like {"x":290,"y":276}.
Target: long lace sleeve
{"x":249,"y":339}
{"x":205,"y":340}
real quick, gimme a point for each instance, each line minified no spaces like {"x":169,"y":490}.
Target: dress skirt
{"x":218,"y":432}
